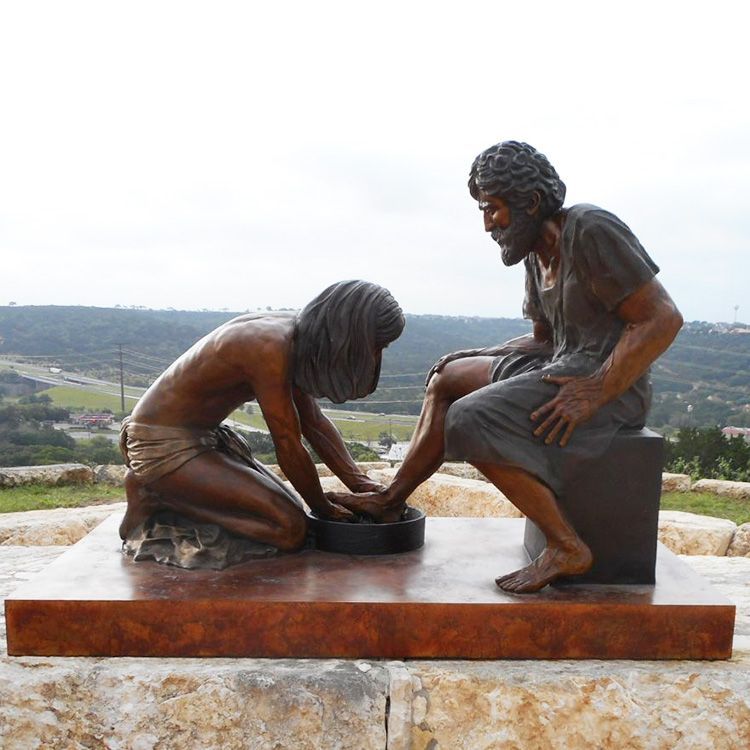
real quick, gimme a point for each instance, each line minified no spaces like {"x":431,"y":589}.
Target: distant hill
{"x":708,"y":367}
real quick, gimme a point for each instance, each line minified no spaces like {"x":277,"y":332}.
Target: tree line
{"x":27,"y":437}
{"x":702,"y":380}
{"x":708,"y":454}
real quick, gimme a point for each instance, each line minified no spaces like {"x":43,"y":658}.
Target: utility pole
{"x":122,"y":382}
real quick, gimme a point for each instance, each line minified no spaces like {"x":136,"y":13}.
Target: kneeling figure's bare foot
{"x":142,"y":504}
{"x":573,"y":559}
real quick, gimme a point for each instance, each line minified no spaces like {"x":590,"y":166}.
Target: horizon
{"x":142,"y":308}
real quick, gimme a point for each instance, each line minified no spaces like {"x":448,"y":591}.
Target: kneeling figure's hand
{"x":375,"y":504}
{"x":333,"y":511}
{"x":365,"y":484}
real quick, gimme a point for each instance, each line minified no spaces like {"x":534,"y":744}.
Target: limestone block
{"x":691,"y":534}
{"x":731,"y":576}
{"x":737,"y":490}
{"x":462,"y":470}
{"x":740,"y":545}
{"x":212,"y":704}
{"x":580,"y":705}
{"x":113,"y":474}
{"x":368,"y":466}
{"x":276,"y":469}
{"x":675,"y":482}
{"x":332,"y":484}
{"x":54,"y":474}
{"x":446,"y":495}
{"x":324,"y":471}
{"x":62,"y":526}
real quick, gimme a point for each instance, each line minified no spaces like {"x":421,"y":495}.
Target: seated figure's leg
{"x":427,"y":449}
{"x":565,"y":553}
{"x":212,"y":488}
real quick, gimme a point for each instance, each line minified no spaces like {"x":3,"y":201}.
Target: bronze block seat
{"x":614,"y":507}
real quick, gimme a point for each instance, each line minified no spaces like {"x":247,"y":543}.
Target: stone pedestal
{"x":614,"y":507}
{"x":436,"y":602}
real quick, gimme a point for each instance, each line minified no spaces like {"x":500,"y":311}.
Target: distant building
{"x":397,"y":452}
{"x":92,"y":420}
{"x":732,"y":432}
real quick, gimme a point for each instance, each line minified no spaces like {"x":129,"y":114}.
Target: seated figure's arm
{"x":274,"y":397}
{"x":539,"y":341}
{"x":327,"y":442}
{"x":651,"y":323}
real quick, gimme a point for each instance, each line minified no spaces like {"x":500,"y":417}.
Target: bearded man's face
{"x":511,"y":227}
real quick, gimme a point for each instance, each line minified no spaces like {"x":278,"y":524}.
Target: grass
{"x":705,"y":504}
{"x":357,"y":426}
{"x":42,"y":497}
{"x":365,"y":428}
{"x":251,"y":420}
{"x":76,"y":398}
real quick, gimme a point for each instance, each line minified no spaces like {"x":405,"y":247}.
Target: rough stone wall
{"x":441,"y":495}
{"x":579,"y":705}
{"x":53,"y":475}
{"x":53,"y":527}
{"x":212,"y":704}
{"x":692,"y":534}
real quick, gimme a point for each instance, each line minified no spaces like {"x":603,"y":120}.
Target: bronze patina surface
{"x":435,"y":602}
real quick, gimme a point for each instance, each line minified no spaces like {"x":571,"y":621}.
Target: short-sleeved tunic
{"x":601,"y":263}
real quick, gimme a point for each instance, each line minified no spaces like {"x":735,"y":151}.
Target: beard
{"x":518,"y":239}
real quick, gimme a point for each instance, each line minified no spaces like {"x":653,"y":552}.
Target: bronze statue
{"x":530,"y":412}
{"x":182,"y":460}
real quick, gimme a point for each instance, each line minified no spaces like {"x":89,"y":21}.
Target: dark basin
{"x":370,"y":538}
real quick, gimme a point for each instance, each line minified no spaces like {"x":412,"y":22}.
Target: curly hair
{"x":513,"y":171}
{"x":339,"y":338}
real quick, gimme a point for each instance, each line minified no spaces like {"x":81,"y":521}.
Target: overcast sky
{"x":239,"y":155}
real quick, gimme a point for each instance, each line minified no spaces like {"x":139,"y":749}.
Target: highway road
{"x":42,"y":374}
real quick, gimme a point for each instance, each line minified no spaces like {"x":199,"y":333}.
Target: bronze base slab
{"x":436,"y":602}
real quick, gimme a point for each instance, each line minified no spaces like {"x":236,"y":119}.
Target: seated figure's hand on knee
{"x":578,"y":399}
{"x":446,"y":358}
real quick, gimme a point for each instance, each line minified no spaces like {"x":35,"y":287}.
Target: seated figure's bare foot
{"x":556,"y":561}
{"x":142,"y":504}
{"x":393,"y":515}
{"x":374,"y":504}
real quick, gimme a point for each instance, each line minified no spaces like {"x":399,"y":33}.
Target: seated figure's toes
{"x":550,"y":565}
{"x":519,"y":582}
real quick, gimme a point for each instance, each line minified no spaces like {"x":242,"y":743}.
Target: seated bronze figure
{"x":181,"y":459}
{"x":531,"y":412}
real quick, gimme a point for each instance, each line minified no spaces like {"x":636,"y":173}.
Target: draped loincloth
{"x":153,"y":451}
